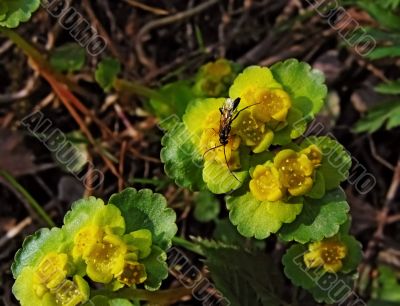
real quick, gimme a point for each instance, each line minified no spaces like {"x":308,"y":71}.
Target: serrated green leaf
{"x":336,"y":162}
{"x":320,"y":218}
{"x":207,"y":207}
{"x":68,"y":57}
{"x":258,"y":219}
{"x":156,"y":268}
{"x":354,"y":253}
{"x":176,"y":97}
{"x":376,"y":117}
{"x":377,"y":302}
{"x":390,"y":88}
{"x":387,"y":287}
{"x":220,"y":180}
{"x":100,"y":300}
{"x":182,"y":160}
{"x":382,"y":52}
{"x":144,"y":209}
{"x":304,"y":85}
{"x":385,"y":17}
{"x":244,"y":278}
{"x":106,"y":72}
{"x":318,"y":189}
{"x":13,"y":12}
{"x":36,"y":246}
{"x":227,"y":233}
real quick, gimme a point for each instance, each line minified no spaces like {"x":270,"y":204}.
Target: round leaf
{"x":36,"y":246}
{"x":320,"y":218}
{"x":144,"y":209}
{"x":304,"y":85}
{"x":182,"y":160}
{"x":336,"y":162}
{"x":207,"y":207}
{"x":258,"y":219}
{"x":14,"y":12}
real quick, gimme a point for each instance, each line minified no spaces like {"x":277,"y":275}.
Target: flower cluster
{"x":95,"y":243}
{"x":213,"y":79}
{"x":290,"y":174}
{"x":244,"y":145}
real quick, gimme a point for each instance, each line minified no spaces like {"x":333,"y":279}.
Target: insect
{"x":229,"y":113}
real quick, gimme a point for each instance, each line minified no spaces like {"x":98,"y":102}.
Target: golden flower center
{"x":272,"y":105}
{"x":68,"y":294}
{"x":250,"y":129}
{"x":331,"y":254}
{"x":292,"y":173}
{"x":102,"y":255}
{"x":133,"y":273}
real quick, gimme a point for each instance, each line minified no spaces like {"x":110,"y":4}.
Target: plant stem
{"x":32,"y":202}
{"x":137,"y":89}
{"x":190,"y":246}
{"x":168,"y":296}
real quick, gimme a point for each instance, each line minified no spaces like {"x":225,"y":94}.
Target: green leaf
{"x":377,"y":302}
{"x":69,"y":57}
{"x":385,"y":17}
{"x":156,"y":268}
{"x":320,"y":218}
{"x":220,"y":180}
{"x":388,"y":113}
{"x":36,"y":246}
{"x":387,"y":287}
{"x":336,"y":162}
{"x":390,"y":88}
{"x":207,"y":207}
{"x":93,"y":211}
{"x":244,"y":278}
{"x":106,"y":72}
{"x":182,"y":160}
{"x":382,"y":52}
{"x":296,"y":126}
{"x":322,"y":285}
{"x":225,"y":232}
{"x":100,"y":300}
{"x":144,"y":209}
{"x":176,"y":97}
{"x":305,"y":85}
{"x":318,"y":189}
{"x":354,"y":255}
{"x":13,"y":12}
{"x":254,"y":218}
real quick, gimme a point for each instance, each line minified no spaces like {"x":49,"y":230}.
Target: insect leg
{"x":227,"y":164}
{"x":237,"y":114}
{"x":216,"y":147}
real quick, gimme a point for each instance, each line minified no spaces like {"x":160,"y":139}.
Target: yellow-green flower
{"x":253,"y":132}
{"x":267,"y":107}
{"x":213,"y":78}
{"x":211,"y":147}
{"x":51,"y":283}
{"x":273,"y":106}
{"x":104,"y":254}
{"x":265,"y":184}
{"x":314,"y":154}
{"x":328,"y":253}
{"x":295,"y":171}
